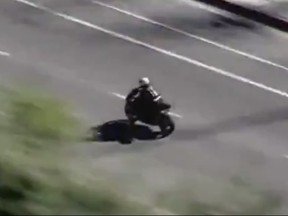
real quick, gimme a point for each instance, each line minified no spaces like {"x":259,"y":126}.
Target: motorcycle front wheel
{"x":166,"y":125}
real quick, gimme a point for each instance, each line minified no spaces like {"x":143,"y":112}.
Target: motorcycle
{"x":159,"y":117}
{"x":118,"y":130}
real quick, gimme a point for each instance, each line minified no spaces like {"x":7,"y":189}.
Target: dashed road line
{"x":118,"y":95}
{"x":5,"y":53}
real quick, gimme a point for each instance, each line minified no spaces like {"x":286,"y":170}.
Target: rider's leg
{"x":131,"y":127}
{"x":131,"y":114}
{"x":161,"y":105}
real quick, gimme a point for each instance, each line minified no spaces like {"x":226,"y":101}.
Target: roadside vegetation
{"x":35,"y":179}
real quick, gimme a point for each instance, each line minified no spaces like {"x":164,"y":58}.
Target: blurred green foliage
{"x":33,"y":177}
{"x":40,"y":117}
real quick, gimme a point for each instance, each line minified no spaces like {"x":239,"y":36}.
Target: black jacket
{"x":144,"y":94}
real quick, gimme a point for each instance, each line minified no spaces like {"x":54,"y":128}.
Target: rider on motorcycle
{"x":144,"y":96}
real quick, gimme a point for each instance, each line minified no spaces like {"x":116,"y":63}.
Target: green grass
{"x":33,"y":176}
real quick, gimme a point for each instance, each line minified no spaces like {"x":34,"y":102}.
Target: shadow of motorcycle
{"x":120,"y":130}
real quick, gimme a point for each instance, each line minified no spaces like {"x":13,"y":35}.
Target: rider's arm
{"x":132,"y":94}
{"x":154,"y":94}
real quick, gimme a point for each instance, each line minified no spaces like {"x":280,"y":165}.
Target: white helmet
{"x":144,"y":81}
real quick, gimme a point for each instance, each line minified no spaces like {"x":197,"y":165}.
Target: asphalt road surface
{"x":226,"y":78}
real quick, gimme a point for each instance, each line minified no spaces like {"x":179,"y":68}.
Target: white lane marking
{"x":231,"y":15}
{"x":221,"y":46}
{"x":5,"y":54}
{"x":123,"y":97}
{"x":159,"y":50}
{"x":212,"y":9}
{"x":118,"y":95}
{"x":175,"y":115}
{"x":221,"y":12}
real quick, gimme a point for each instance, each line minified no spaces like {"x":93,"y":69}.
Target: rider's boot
{"x":131,"y":130}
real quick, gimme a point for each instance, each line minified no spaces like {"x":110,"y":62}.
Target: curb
{"x":252,"y":14}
